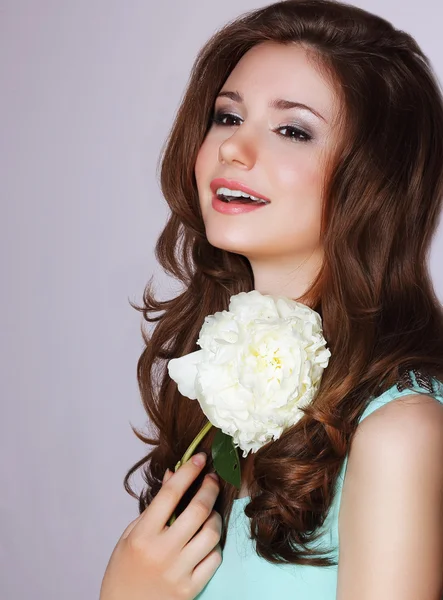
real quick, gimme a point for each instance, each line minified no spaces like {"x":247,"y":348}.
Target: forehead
{"x":270,"y":70}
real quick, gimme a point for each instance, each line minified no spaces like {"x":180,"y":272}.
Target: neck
{"x":286,"y":276}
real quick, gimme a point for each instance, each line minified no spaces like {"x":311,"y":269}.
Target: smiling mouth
{"x":238,"y":197}
{"x":231,"y":191}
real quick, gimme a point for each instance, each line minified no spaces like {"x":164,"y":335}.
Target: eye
{"x":219,"y":117}
{"x":294,"y":133}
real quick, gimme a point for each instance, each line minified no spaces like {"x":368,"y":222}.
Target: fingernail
{"x":166,"y":474}
{"x":214,"y":476}
{"x":199,"y":459}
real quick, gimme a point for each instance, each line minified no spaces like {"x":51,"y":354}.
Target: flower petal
{"x":183,"y":371}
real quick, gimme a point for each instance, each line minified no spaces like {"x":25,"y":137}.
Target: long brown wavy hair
{"x":380,"y":313}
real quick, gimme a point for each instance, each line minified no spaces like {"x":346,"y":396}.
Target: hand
{"x":153,"y":561}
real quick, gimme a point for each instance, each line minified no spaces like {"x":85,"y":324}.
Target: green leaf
{"x":225,"y":458}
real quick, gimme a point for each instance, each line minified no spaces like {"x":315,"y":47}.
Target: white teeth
{"x":222,"y":191}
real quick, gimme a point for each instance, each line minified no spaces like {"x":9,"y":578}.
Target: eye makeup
{"x":295,"y":131}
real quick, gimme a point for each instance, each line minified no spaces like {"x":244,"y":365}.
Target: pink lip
{"x":235,"y":185}
{"x":233,"y":209}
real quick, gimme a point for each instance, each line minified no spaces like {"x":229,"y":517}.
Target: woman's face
{"x":276,"y":150}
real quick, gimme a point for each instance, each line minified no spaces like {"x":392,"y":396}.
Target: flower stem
{"x":189,"y":452}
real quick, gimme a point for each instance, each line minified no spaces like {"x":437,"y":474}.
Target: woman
{"x":333,"y":121}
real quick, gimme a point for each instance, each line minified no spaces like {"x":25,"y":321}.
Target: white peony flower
{"x":259,"y":363}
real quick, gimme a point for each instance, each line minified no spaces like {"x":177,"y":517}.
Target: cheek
{"x":300,"y":173}
{"x":204,"y":172}
{"x":298,"y":181}
{"x":204,"y":162}
{"x":199,"y":166}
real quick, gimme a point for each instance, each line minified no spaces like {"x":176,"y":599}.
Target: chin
{"x":237,"y":246}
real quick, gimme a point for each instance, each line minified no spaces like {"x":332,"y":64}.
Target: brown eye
{"x":219,"y":119}
{"x":295,"y":133}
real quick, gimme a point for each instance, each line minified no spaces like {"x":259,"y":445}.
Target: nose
{"x":238,"y":150}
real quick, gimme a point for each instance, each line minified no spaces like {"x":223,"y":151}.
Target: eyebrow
{"x":278,"y":103}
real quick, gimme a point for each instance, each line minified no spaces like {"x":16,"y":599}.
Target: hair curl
{"x":383,"y":199}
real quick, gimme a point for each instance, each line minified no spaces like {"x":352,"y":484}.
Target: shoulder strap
{"x":411,"y":381}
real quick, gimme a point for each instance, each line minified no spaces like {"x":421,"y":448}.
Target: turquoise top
{"x":246,"y":575}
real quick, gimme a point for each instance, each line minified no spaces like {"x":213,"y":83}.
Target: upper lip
{"x":235,"y":185}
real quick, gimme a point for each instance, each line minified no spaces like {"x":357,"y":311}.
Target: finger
{"x":130,"y":527}
{"x":196,"y":513}
{"x":205,"y":569}
{"x":168,"y":474}
{"x":202,"y":543}
{"x":169,"y":495}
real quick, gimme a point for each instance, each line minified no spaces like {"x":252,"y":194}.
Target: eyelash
{"x":219,"y":115}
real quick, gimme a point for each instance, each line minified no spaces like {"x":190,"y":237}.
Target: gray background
{"x":88,"y":92}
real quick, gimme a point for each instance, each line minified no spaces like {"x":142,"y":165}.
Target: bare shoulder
{"x":402,"y":438}
{"x":391,"y":508}
{"x":406,"y":421}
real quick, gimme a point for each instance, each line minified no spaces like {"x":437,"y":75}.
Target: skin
{"x":391,"y":512}
{"x":257,"y":147}
{"x":391,"y":517}
{"x":155,"y":561}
